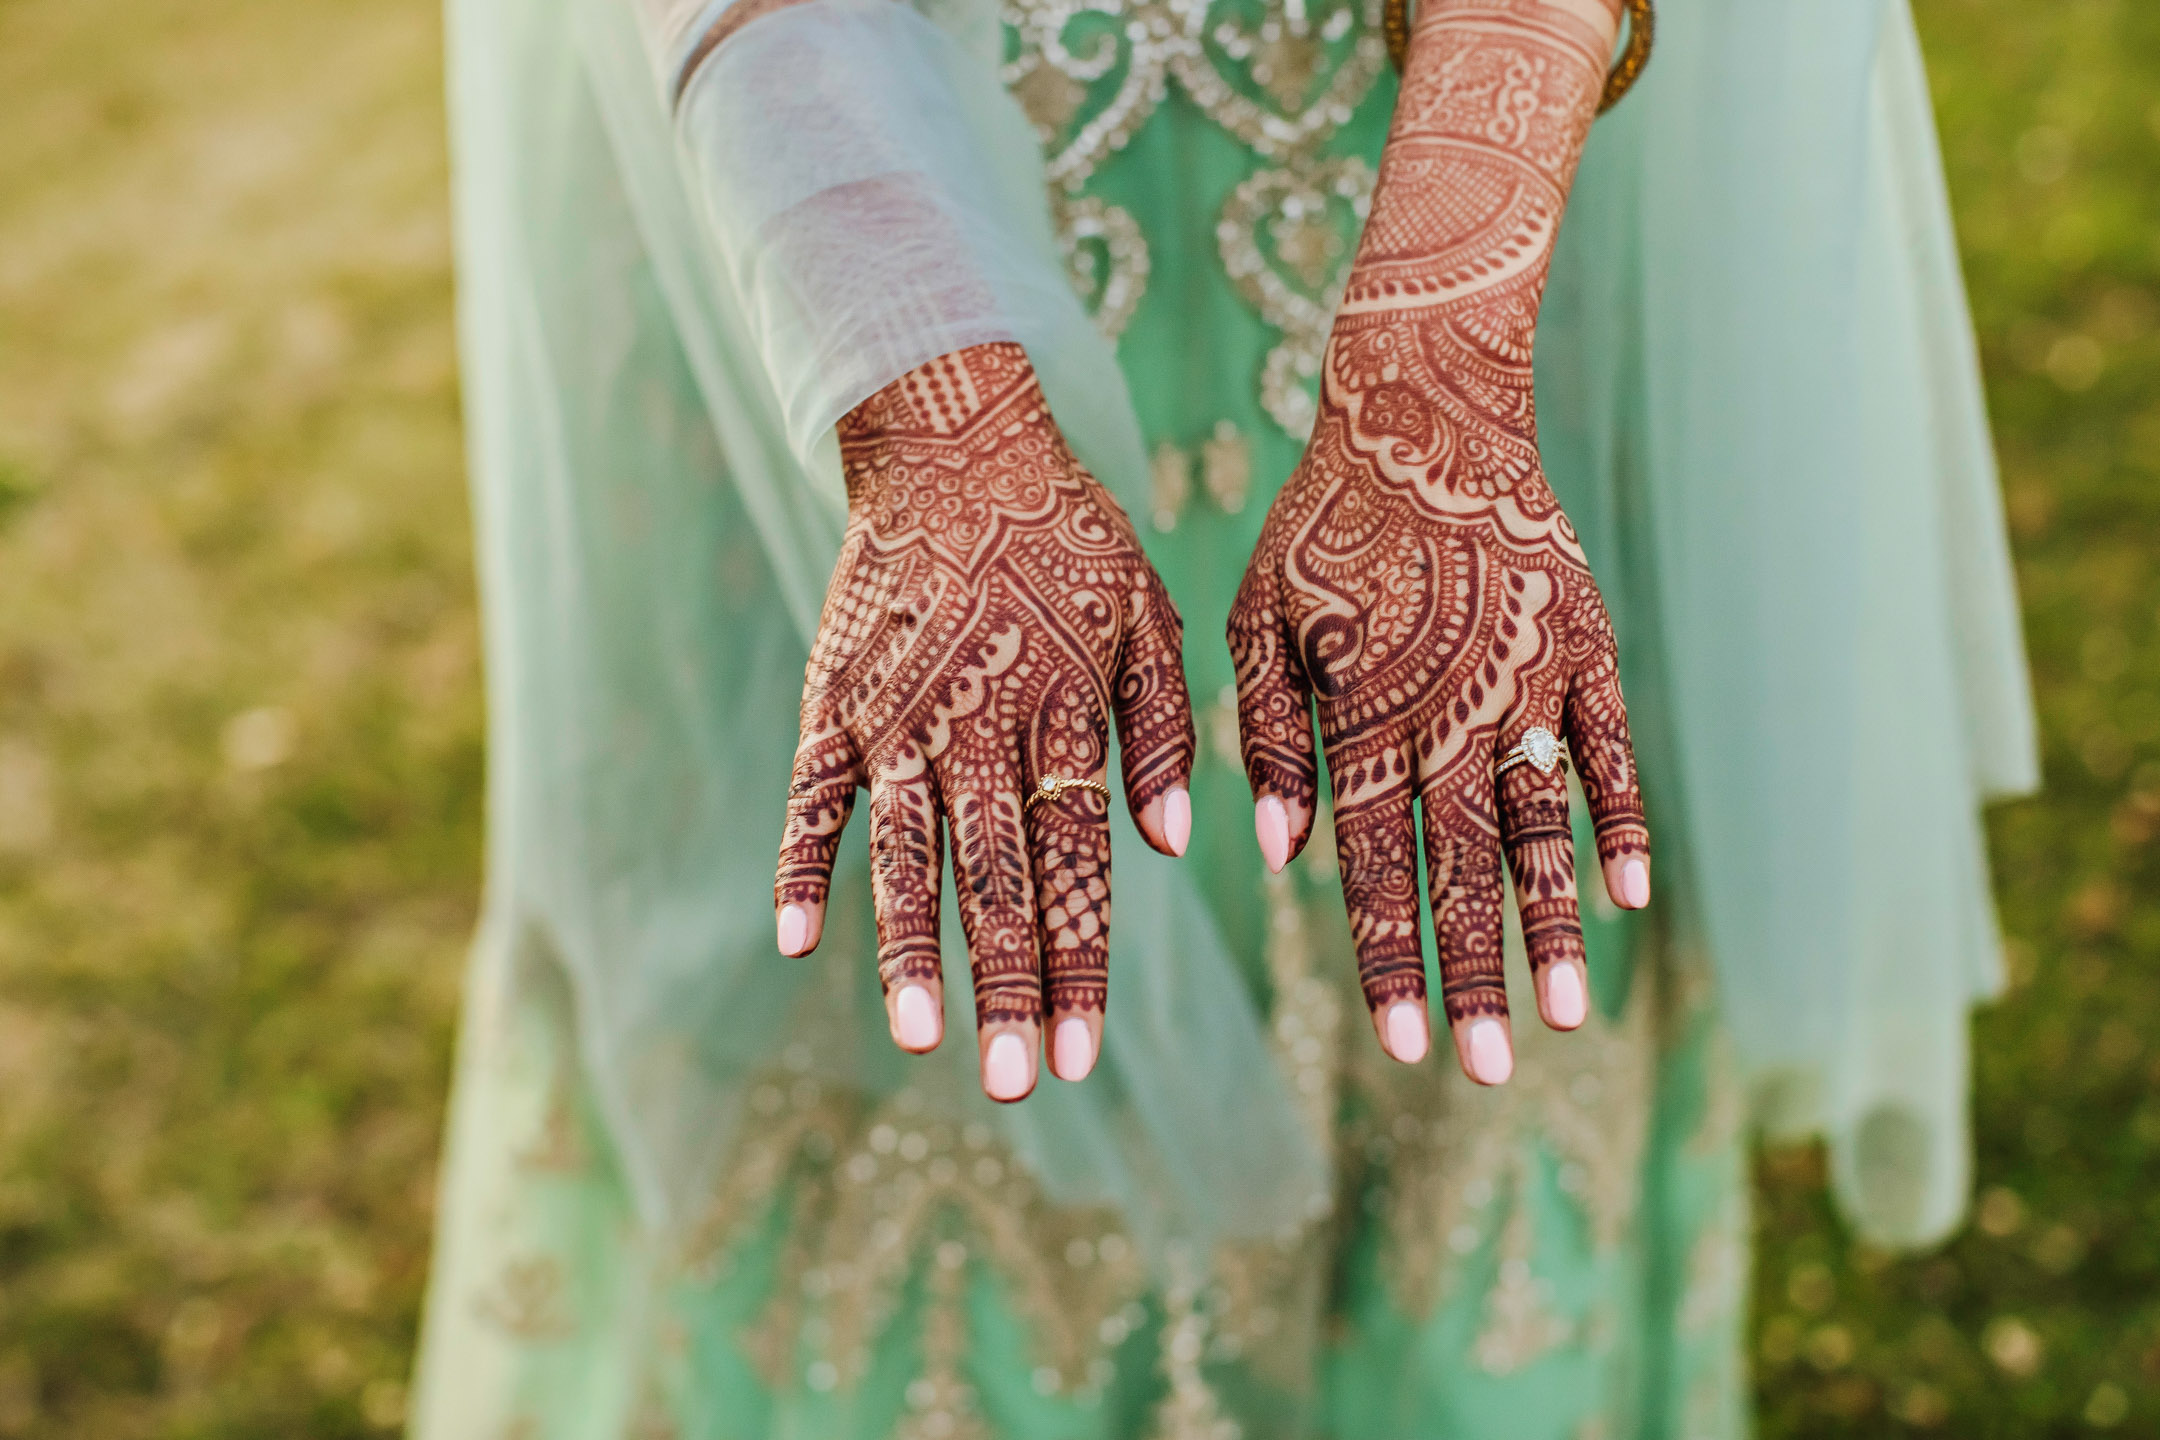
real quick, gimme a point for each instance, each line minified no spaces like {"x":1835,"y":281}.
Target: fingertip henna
{"x":906,"y":872}
{"x":1071,"y":838}
{"x":1540,"y":845}
{"x":1275,"y":720}
{"x":1595,"y":720}
{"x":1156,"y":739}
{"x":1376,"y":852}
{"x":1464,"y":883}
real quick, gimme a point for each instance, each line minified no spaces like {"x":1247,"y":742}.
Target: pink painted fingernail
{"x":1564,"y":996}
{"x":1272,"y":824}
{"x":1491,"y":1062}
{"x":794,"y":929}
{"x":1072,"y":1050}
{"x":916,"y":1018}
{"x":1407,"y":1035}
{"x":1005,"y":1069}
{"x":1177,"y":820}
{"x":1635,"y":884}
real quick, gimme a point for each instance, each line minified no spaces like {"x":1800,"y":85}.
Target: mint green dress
{"x":690,"y":1188}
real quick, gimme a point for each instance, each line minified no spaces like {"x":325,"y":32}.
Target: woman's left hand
{"x":1416,"y":573}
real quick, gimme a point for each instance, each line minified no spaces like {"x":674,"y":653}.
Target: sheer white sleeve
{"x":874,"y":196}
{"x":672,"y":30}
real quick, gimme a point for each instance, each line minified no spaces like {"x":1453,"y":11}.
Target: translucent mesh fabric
{"x":876,"y":198}
{"x":1759,"y":396}
{"x":652,"y":553}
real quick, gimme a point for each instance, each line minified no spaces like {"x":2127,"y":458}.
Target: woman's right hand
{"x":990,"y":612}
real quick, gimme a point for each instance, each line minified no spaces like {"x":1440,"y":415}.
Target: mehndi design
{"x":1416,"y":573}
{"x":991,"y":611}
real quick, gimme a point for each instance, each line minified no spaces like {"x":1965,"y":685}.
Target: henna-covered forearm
{"x":1429,"y":363}
{"x":1416,"y":575}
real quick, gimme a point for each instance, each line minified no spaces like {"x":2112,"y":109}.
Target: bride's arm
{"x":1417,"y":575}
{"x":992,"y":613}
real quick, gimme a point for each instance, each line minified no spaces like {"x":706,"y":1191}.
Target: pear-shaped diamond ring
{"x":1539,"y":748}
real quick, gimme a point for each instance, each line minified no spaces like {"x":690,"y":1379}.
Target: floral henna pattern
{"x":990,"y":614}
{"x":1416,"y":574}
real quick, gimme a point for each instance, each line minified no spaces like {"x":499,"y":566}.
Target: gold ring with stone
{"x":1053,"y":788}
{"x":1539,"y":748}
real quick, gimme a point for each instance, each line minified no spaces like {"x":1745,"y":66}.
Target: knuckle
{"x":1479,"y":996}
{"x":910,"y":960}
{"x":1552,"y":921}
{"x":1014,"y":998}
{"x":1540,"y":816}
{"x":1004,"y":923}
{"x":1391,"y":968}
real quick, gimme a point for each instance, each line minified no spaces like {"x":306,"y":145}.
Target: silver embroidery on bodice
{"x":1281,"y":77}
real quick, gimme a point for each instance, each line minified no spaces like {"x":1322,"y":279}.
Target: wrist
{"x":1427,"y":370}
{"x":1496,"y":102}
{"x":1437,"y":403}
{"x":1599,"y":20}
{"x":941,"y":425}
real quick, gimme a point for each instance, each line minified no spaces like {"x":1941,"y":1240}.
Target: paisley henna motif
{"x":1416,"y":574}
{"x":990,"y":613}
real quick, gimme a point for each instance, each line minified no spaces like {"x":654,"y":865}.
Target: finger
{"x":1376,"y":851}
{"x":1540,"y":847}
{"x":1069,"y":838}
{"x":906,"y":870}
{"x":1154,"y":720}
{"x":981,"y":786}
{"x":1596,"y":724}
{"x":1275,"y":727}
{"x":821,"y":794}
{"x":1462,"y":860}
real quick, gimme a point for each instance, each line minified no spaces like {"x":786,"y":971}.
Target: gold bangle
{"x":1053,"y":788}
{"x":1642,"y":25}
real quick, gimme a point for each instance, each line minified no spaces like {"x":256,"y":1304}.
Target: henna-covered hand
{"x":990,"y":613}
{"x":1416,"y":573}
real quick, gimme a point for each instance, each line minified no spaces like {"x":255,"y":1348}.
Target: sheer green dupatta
{"x":653,"y":553}
{"x":1760,"y":401}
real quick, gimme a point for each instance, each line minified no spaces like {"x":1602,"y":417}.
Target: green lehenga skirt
{"x":1563,"y":1257}
{"x":691,"y":1191}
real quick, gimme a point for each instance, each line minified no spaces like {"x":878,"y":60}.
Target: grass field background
{"x":240,"y":746}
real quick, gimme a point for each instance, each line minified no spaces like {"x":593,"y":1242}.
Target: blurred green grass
{"x":240,"y":738}
{"x":2044,"y":1318}
{"x":239,"y":713}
